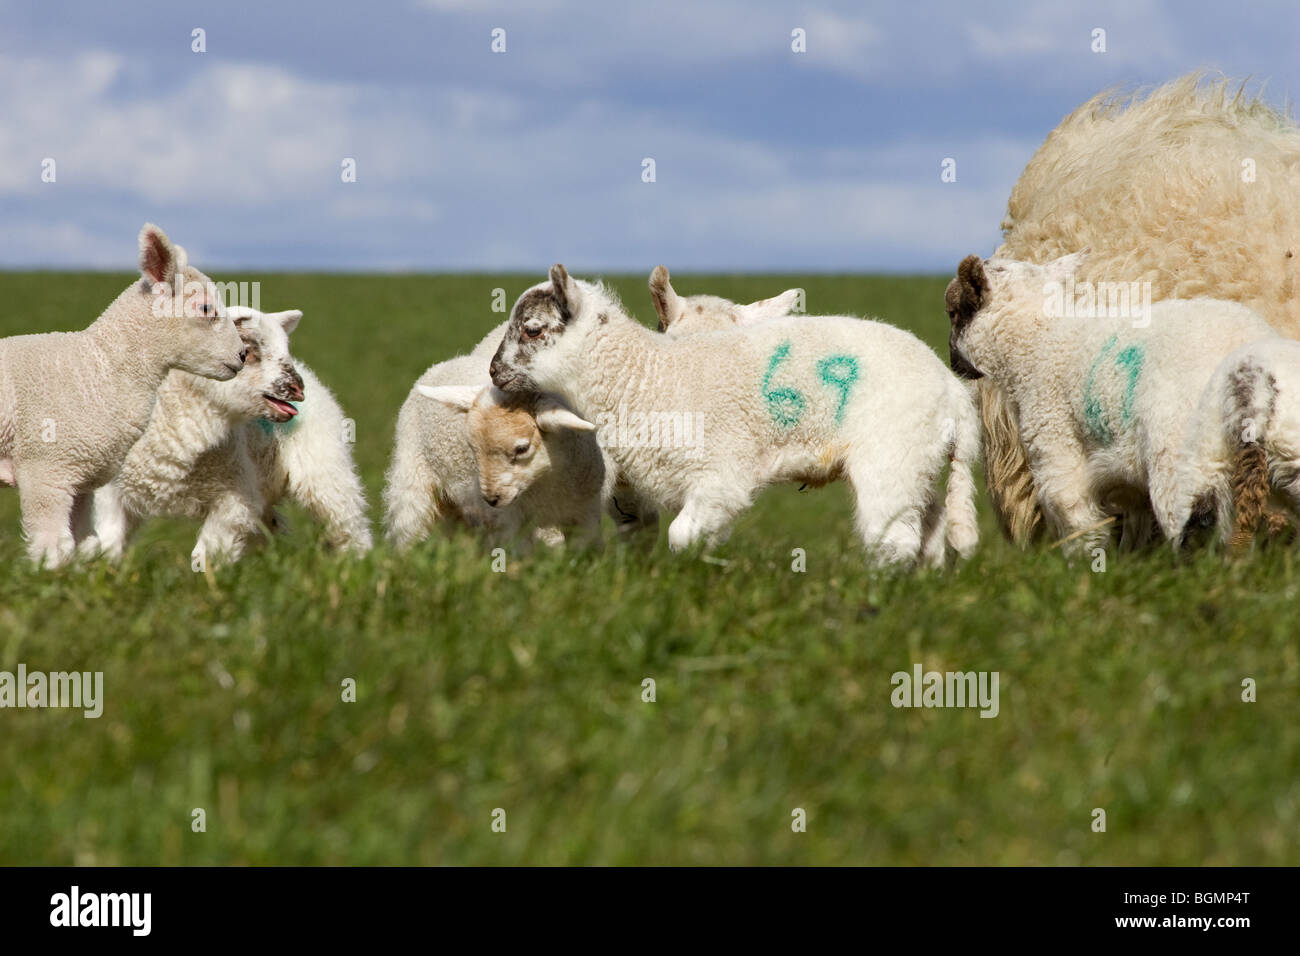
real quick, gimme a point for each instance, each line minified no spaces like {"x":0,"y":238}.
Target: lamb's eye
{"x":951,"y":315}
{"x":207,"y":309}
{"x":533,"y":329}
{"x":522,"y":446}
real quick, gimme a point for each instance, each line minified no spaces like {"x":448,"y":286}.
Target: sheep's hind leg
{"x":706,"y":515}
{"x":890,"y":517}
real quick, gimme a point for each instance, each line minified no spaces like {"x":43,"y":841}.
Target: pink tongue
{"x":285,"y":407}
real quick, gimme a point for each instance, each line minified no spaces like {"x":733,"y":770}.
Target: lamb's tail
{"x":963,"y":522}
{"x":1247,"y":402}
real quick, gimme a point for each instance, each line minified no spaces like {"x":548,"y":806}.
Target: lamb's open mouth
{"x":281,"y":411}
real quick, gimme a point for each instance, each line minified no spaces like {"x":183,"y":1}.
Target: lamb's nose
{"x":492,"y":500}
{"x":243,"y":355}
{"x":295,"y":388}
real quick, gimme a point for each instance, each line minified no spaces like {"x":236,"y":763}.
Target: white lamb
{"x":73,"y":403}
{"x":806,"y":399}
{"x":1105,"y":402}
{"x":540,"y":465}
{"x":227,"y":453}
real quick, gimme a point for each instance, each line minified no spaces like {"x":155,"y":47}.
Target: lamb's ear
{"x":241,"y":314}
{"x":1066,"y":266}
{"x":288,"y":320}
{"x":565,"y":292}
{"x":159,"y":260}
{"x":552,"y":416}
{"x":973,"y":284}
{"x":668,"y":304}
{"x":456,"y":397}
{"x":774,"y":308}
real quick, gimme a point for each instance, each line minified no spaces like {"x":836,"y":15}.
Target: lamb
{"x":73,"y":403}
{"x":536,"y":463}
{"x":795,"y":399}
{"x":1194,"y":188}
{"x":689,"y":315}
{"x":227,"y":453}
{"x":1102,"y":401}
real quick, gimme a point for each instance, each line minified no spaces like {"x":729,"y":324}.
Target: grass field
{"x":522,"y":691}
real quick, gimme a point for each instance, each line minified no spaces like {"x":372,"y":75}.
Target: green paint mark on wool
{"x":1129,"y":360}
{"x":1093,"y":415}
{"x":785,"y":405}
{"x":839,"y":372}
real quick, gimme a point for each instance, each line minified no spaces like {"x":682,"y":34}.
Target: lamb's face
{"x":692,"y":314}
{"x":540,"y":343}
{"x":1014,"y":286}
{"x":185,"y":310}
{"x":269,"y":382}
{"x":510,"y":434}
{"x":508,"y":446}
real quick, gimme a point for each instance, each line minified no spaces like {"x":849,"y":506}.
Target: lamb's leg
{"x":890,"y":509}
{"x":1077,"y":516}
{"x":328,"y":487}
{"x":114,"y":523}
{"x":707,"y":514}
{"x":231,"y":523}
{"x":47,"y":520}
{"x":411,"y":500}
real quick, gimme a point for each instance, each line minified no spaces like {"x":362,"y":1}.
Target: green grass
{"x":478,"y":690}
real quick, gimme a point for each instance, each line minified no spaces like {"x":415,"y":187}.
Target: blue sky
{"x":765,"y":159}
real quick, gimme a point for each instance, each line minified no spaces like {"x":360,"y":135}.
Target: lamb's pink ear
{"x":565,"y":291}
{"x":456,"y":397}
{"x":288,"y":320}
{"x":553,"y":416}
{"x":774,"y":308}
{"x":668,"y":305}
{"x":159,"y":260}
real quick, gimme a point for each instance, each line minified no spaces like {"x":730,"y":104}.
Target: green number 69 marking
{"x":786,"y":405}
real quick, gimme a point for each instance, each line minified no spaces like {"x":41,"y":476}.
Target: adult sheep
{"x":1194,"y":188}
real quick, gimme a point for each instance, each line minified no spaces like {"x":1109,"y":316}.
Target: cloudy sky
{"x":466,"y":159}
